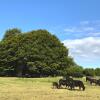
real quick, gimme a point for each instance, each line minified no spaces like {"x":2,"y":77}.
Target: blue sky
{"x":75,"y":22}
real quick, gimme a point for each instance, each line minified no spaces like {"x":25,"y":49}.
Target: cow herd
{"x":70,"y":83}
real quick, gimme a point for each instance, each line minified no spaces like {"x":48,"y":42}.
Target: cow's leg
{"x":90,"y":82}
{"x":79,"y":88}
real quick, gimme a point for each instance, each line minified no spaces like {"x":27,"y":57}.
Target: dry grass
{"x":41,"y":89}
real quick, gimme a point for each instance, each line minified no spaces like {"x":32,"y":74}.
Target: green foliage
{"x":75,"y":71}
{"x":11,"y":32}
{"x":36,"y":53}
{"x":97,"y":71}
{"x":89,"y":72}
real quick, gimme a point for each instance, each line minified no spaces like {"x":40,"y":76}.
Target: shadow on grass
{"x":69,"y":89}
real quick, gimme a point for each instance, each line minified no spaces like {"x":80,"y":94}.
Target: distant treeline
{"x":36,"y":54}
{"x":77,"y":71}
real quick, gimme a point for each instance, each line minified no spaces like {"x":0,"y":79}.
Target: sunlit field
{"x":41,"y":89}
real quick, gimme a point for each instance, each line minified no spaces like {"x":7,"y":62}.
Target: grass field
{"x":41,"y":89}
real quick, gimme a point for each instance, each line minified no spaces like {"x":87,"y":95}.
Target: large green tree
{"x":35,"y":53}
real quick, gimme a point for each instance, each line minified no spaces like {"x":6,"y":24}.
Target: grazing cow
{"x":98,"y":82}
{"x":69,"y":82}
{"x":91,"y":80}
{"x":62,"y":82}
{"x":65,"y":82}
{"x":77,"y":83}
{"x":55,"y":85}
{"x":88,"y":78}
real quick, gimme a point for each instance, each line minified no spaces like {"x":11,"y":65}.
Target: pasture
{"x":41,"y":89}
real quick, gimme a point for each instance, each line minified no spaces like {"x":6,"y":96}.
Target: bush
{"x":77,"y":75}
{"x":89,"y":72}
{"x":97,"y":71}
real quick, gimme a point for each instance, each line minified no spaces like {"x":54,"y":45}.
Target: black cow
{"x":91,"y":80}
{"x":69,"y":82}
{"x":77,"y":83}
{"x":98,"y":82}
{"x":55,"y":85}
{"x":88,"y":78}
{"x":65,"y":82}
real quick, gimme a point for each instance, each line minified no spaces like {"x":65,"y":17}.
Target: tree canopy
{"x":36,"y":53}
{"x":11,"y":32}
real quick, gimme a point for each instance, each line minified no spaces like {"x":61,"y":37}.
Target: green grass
{"x":41,"y":89}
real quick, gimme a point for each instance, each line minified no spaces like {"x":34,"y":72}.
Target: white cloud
{"x":84,"y":22}
{"x":94,"y":34}
{"x":69,"y":30}
{"x":73,"y":29}
{"x":79,"y":29}
{"x":85,"y":48}
{"x":88,"y":29}
{"x":84,"y":29}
